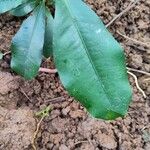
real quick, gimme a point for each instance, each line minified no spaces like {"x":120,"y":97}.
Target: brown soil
{"x":69,"y":127}
{"x":16,"y":128}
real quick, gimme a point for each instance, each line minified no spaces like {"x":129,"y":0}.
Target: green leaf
{"x":48,"y":45}
{"x":1,"y":55}
{"x":6,"y":5}
{"x":24,"y":9}
{"x":27,"y":45}
{"x":44,"y":112}
{"x":90,"y":62}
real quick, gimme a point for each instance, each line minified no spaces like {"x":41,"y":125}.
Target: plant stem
{"x":48,"y":70}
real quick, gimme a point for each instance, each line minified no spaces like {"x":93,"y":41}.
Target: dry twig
{"x":23,"y":92}
{"x":56,"y":100}
{"x":137,"y":84}
{"x":134,"y":40}
{"x":148,"y":79}
{"x":36,"y":132}
{"x":130,"y":6}
{"x":139,"y":71}
{"x":43,"y":114}
{"x":6,"y":53}
{"x":48,"y":70}
{"x":80,"y":142}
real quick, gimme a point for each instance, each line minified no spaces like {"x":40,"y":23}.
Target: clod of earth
{"x":16,"y":128}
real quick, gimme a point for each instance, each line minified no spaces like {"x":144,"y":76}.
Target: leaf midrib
{"x":86,"y":50}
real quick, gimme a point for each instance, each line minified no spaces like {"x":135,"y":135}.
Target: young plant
{"x":90,"y":62}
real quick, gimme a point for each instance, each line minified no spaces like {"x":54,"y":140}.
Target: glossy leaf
{"x":6,"y":5}
{"x":27,"y":45}
{"x":24,"y":9}
{"x":90,"y":62}
{"x":48,"y":45}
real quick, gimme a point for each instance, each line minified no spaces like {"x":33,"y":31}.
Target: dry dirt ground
{"x":68,"y":126}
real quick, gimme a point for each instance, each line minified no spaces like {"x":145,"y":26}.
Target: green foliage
{"x":44,"y":112}
{"x":27,"y":45}
{"x":24,"y":9}
{"x":6,"y":5}
{"x":90,"y":62}
{"x":48,"y":43}
{"x":103,"y":87}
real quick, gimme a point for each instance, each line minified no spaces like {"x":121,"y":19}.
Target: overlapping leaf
{"x":89,"y":60}
{"x":48,"y":42}
{"x":6,"y":5}
{"x":24,"y":9}
{"x":27,"y":45}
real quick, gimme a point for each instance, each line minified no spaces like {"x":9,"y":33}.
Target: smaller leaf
{"x":48,"y":43}
{"x":6,"y":5}
{"x":44,"y":112}
{"x":23,"y":9}
{"x":27,"y":45}
{"x":1,"y":55}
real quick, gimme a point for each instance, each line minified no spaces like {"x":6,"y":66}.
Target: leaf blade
{"x":27,"y":45}
{"x":23,"y":9}
{"x":6,"y":5}
{"x":48,"y":41}
{"x":86,"y":54}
